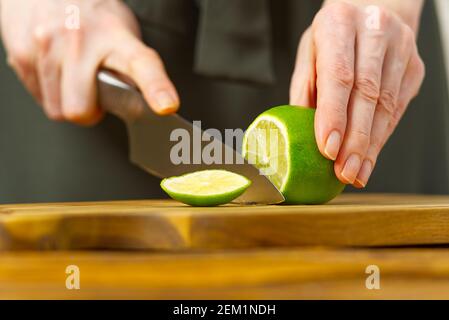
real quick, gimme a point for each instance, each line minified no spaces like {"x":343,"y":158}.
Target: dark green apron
{"x":229,"y":65}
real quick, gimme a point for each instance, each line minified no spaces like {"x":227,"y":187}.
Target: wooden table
{"x":174,"y":251}
{"x":296,"y":273}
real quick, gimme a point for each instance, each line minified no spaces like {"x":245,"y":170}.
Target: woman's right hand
{"x":57,"y":56}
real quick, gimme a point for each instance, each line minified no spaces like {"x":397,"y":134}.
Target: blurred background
{"x":42,"y":161}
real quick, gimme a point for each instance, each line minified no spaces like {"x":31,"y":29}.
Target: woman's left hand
{"x":359,"y":65}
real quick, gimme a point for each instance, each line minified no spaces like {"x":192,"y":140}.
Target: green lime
{"x":281,"y":143}
{"x":206,"y":188}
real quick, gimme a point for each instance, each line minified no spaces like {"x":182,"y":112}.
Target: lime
{"x":281,"y":143}
{"x":206,"y":188}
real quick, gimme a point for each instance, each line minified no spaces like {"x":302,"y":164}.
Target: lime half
{"x":281,"y":143}
{"x":206,"y":188}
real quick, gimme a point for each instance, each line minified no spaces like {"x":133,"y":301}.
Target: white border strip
{"x":442,"y":8}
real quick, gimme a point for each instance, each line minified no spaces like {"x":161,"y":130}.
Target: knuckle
{"x":384,"y":16}
{"x":143,"y":56}
{"x":381,"y":16}
{"x":342,"y":72}
{"x":152,"y":56}
{"x":422,"y":71}
{"x":41,"y":35}
{"x":305,"y":39}
{"x":387,"y":101}
{"x":20,"y":57}
{"x":367,"y":86}
{"x":339,"y":112}
{"x":404,"y":39}
{"x":407,"y":33}
{"x":339,"y":12}
{"x":420,"y":68}
{"x":405,"y":42}
{"x":394,"y":115}
{"x":306,"y":35}
{"x":391,"y":127}
{"x":336,"y":20}
{"x":142,"y":51}
{"x":395,"y":118}
{"x":108,"y":19}
{"x":334,"y":113}
{"x":397,"y":115}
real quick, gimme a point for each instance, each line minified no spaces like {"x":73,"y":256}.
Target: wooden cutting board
{"x":349,"y":220}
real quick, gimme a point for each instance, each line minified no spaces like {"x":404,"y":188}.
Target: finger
{"x":393,"y":73}
{"x":410,"y":87}
{"x":303,"y":83}
{"x":27,"y":74}
{"x":142,"y":64}
{"x":334,"y":41}
{"x":78,"y":93}
{"x":48,"y":72}
{"x":400,"y":83}
{"x":370,"y":52}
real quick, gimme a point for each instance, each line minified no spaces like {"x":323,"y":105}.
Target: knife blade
{"x":151,"y":145}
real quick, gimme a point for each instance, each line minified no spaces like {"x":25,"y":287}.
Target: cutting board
{"x":349,"y":220}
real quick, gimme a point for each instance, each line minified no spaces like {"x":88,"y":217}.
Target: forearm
{"x":408,"y":10}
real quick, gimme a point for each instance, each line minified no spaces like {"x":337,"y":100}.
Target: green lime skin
{"x":205,"y":200}
{"x":311,"y":178}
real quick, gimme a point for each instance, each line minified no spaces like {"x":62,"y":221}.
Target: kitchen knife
{"x":150,"y":144}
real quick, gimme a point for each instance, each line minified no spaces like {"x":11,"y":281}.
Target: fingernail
{"x":333,"y":145}
{"x":351,"y":168}
{"x":165,"y":101}
{"x":365,"y":173}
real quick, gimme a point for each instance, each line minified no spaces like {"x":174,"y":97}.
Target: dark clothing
{"x":229,"y":65}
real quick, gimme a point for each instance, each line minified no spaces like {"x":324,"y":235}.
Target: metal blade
{"x":152,"y":138}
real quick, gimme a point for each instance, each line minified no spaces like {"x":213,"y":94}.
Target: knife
{"x":150,"y":145}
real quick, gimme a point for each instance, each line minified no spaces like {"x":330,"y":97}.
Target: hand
{"x":361,"y":75}
{"x":58,"y":63}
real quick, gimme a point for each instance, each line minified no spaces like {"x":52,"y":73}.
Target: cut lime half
{"x":206,"y":188}
{"x":281,"y":143}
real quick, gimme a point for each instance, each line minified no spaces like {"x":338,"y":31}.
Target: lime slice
{"x":281,"y":143}
{"x":206,"y":188}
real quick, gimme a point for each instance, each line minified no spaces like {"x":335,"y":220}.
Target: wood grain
{"x":350,"y":220}
{"x":294,"y":273}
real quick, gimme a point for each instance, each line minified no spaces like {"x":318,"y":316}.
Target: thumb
{"x":145,"y":67}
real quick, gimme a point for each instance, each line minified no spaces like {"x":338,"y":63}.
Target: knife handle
{"x":119,"y":95}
